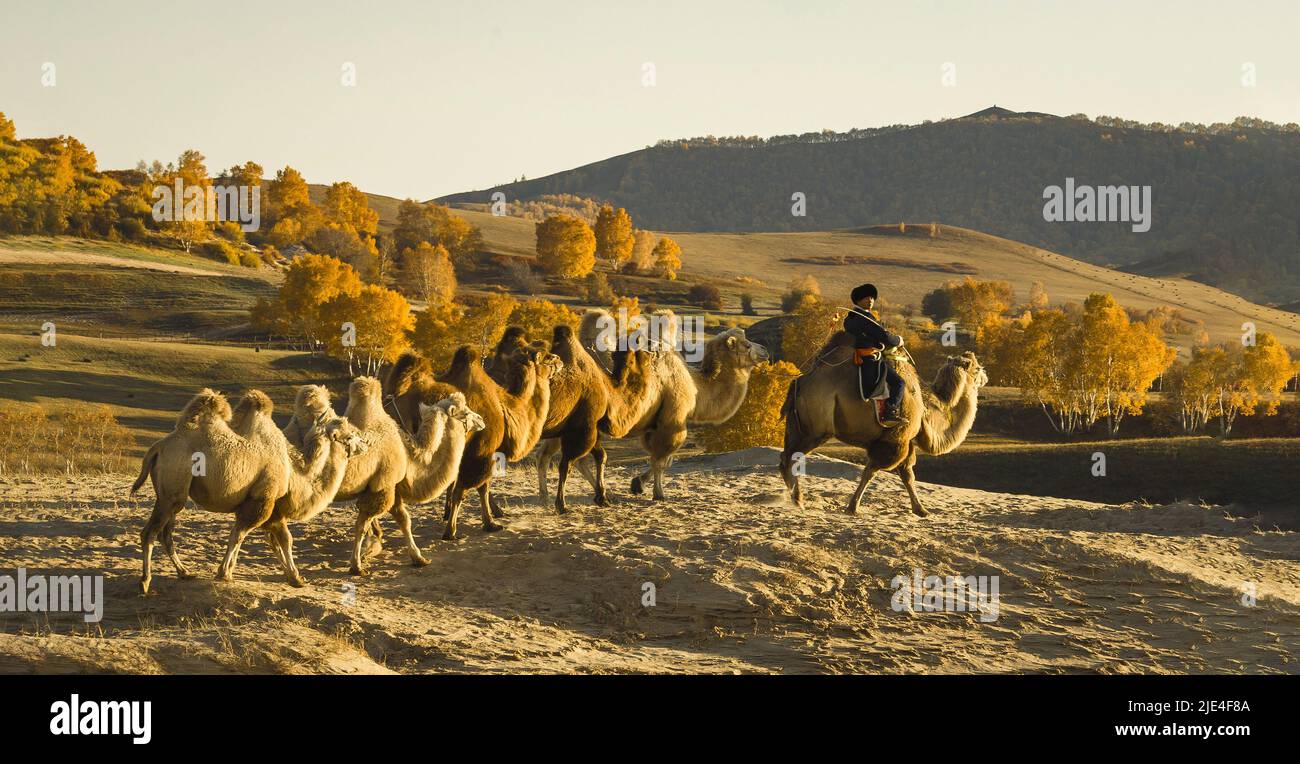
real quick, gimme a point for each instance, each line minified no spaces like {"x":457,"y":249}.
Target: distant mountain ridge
{"x":1226,"y":198}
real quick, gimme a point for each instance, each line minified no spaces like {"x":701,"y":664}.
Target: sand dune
{"x":743,"y":583}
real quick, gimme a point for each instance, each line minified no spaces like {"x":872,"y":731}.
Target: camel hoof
{"x":450,"y":536}
{"x":920,"y":511}
{"x":144,"y":586}
{"x":490,"y":527}
{"x":420,"y":562}
{"x":358,"y":571}
{"x":298,"y":582}
{"x":184,"y":575}
{"x":224,"y":577}
{"x":373,"y":547}
{"x":636,"y":486}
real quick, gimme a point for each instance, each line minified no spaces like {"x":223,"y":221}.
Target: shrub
{"x":707,"y":296}
{"x":747,"y":304}
{"x":758,"y":422}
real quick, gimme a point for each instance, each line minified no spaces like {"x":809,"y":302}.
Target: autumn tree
{"x":614,"y":237}
{"x":667,"y":258}
{"x":371,"y":325}
{"x":348,"y":206}
{"x":436,"y":224}
{"x":809,"y":326}
{"x":798,"y":288}
{"x":296,"y":310}
{"x":539,"y":317}
{"x":427,"y":273}
{"x":438,"y":331}
{"x":566,"y":246}
{"x":641,"y":259}
{"x":288,"y":209}
{"x":1227,"y":381}
{"x":758,"y":422}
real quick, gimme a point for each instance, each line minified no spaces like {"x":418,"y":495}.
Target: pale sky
{"x":452,"y":96}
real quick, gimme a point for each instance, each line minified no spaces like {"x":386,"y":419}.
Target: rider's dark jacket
{"x":867,"y":331}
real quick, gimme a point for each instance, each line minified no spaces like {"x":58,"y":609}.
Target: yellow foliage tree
{"x":370,"y":327}
{"x":810,"y":324}
{"x":539,"y":317}
{"x":310,"y":282}
{"x":347,"y":205}
{"x":667,"y":258}
{"x":1227,"y":381}
{"x":614,"y":238}
{"x":758,"y":422}
{"x":427,"y":273}
{"x":438,"y":331}
{"x":566,"y":246}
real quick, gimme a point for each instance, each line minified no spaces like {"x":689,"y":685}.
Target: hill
{"x":907,"y":266}
{"x":1223,"y":197}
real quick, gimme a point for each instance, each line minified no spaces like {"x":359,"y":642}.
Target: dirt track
{"x":743,"y":584}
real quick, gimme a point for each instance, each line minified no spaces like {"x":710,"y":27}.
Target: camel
{"x":587,"y":401}
{"x":513,"y":418}
{"x":206,"y":460}
{"x":434,"y":455}
{"x":710,"y":394}
{"x":825,"y":403}
{"x":372,"y":477}
{"x":309,"y":404}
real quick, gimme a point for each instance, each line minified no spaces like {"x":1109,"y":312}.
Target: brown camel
{"x":587,"y":401}
{"x":825,"y":403}
{"x":682,"y":395}
{"x":513,"y":418}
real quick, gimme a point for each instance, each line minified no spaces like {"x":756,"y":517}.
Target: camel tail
{"x":791,"y":394}
{"x":146,"y":466}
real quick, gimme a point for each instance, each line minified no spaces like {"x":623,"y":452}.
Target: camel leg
{"x":601,"y":496}
{"x":638,"y":481}
{"x":403,"y":518}
{"x":909,"y":482}
{"x":663,"y":445}
{"x":559,"y":488}
{"x":169,"y":544}
{"x":282,"y":539}
{"x":796,"y":442}
{"x":164,"y":512}
{"x":374,"y":539}
{"x":485,"y":500}
{"x":867,"y":473}
{"x":249,"y":515}
{"x":586,"y":468}
{"x":446,"y":502}
{"x":455,"y":497}
{"x":498,"y":510}
{"x":369,"y":506}
{"x":550,"y":447}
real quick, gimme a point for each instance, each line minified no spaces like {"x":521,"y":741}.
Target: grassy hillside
{"x":1223,"y":198}
{"x":907,"y":266}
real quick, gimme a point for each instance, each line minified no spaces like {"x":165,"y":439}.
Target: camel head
{"x":311,"y":400}
{"x":455,"y":407}
{"x":365,"y":389}
{"x":538,"y":355}
{"x":732,"y":348}
{"x":339,"y":430}
{"x":975,"y":373}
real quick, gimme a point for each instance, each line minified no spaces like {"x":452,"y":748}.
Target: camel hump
{"x":205,"y":405}
{"x":255,"y":402}
{"x":564,"y":343}
{"x":406,"y":369}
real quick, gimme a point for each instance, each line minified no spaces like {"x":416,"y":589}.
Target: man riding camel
{"x":870,"y":339}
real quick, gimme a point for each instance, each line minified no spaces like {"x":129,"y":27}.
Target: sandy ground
{"x":742,"y":583}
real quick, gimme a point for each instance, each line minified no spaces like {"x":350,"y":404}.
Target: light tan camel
{"x":203,"y":458}
{"x":513,"y":420}
{"x":309,"y":404}
{"x":434,"y":456}
{"x":372,"y":477}
{"x":825,"y":403}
